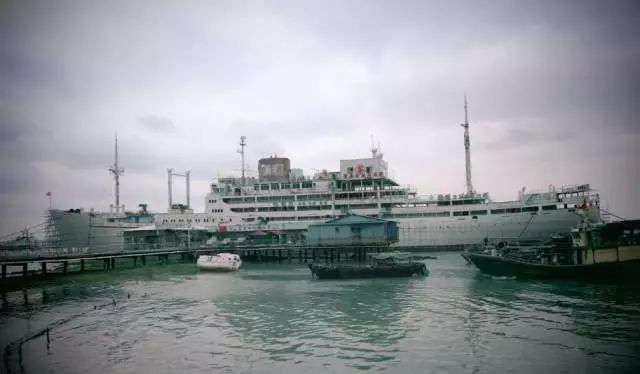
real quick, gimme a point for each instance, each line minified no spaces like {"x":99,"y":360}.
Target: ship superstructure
{"x":282,"y":199}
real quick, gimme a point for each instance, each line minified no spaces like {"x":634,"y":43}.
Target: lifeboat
{"x":219,"y":262}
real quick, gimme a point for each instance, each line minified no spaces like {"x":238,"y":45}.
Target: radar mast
{"x":243,"y":143}
{"x":467,"y":145}
{"x":117,"y":173}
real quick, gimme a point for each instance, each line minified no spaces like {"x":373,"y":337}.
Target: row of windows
{"x":262,"y":199}
{"x":213,"y":201}
{"x":309,"y":218}
{"x":373,"y":206}
{"x":282,"y":186}
{"x":418,"y":214}
{"x":188,"y":220}
{"x":216,"y":210}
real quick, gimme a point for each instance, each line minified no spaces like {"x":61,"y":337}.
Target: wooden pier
{"x":49,"y":264}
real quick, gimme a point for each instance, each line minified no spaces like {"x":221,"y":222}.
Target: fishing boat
{"x":589,"y":251}
{"x":221,"y":262}
{"x":393,"y":264}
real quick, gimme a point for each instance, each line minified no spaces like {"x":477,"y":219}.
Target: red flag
{"x":583,"y":205}
{"x":49,"y":194}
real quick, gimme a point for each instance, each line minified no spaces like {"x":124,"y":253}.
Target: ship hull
{"x":506,"y":267}
{"x":88,"y":231}
{"x":452,"y":232}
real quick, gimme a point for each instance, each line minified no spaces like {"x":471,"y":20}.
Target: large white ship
{"x":283,"y":201}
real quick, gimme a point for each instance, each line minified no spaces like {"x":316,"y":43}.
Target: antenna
{"x":467,"y":145}
{"x":243,"y":143}
{"x":117,"y":172}
{"x":374,"y":150}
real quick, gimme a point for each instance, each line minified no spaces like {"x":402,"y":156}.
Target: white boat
{"x":219,"y":262}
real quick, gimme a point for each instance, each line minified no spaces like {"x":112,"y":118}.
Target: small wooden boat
{"x":591,"y":251}
{"x":220,"y":262}
{"x":385,"y":265}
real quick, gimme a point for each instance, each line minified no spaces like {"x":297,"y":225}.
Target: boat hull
{"x":379,"y":271}
{"x":219,"y":263}
{"x":506,"y":267}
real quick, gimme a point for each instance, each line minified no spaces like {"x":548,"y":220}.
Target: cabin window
{"x":497,"y":211}
{"x":530,"y":209}
{"x":479,"y":212}
{"x":549,"y":207}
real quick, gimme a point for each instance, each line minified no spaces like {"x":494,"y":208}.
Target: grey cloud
{"x":311,"y":81}
{"x":517,"y":138}
{"x":156,"y":123}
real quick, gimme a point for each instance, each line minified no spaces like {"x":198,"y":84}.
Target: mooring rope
{"x":19,"y":342}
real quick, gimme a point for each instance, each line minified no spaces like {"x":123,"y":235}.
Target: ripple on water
{"x":274,"y":318}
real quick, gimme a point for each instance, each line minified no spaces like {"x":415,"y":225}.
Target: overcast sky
{"x":553,"y":87}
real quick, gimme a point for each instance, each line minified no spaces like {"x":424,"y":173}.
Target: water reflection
{"x":275,"y":318}
{"x":357,"y":320}
{"x":599,"y":320}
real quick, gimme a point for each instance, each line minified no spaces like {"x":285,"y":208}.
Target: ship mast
{"x":467,"y":145}
{"x":117,"y":172}
{"x":243,"y":143}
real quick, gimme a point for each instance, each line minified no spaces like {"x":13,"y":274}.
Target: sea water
{"x":274,"y":318}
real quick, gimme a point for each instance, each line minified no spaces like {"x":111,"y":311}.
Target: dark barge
{"x":384,"y":265}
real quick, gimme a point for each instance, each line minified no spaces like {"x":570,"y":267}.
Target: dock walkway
{"x":30,"y":263}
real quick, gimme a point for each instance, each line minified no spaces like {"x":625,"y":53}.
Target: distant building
{"x":353,"y":230}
